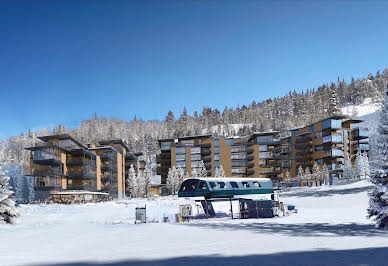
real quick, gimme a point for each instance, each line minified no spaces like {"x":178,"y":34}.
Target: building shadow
{"x":303,"y":230}
{"x":368,"y":256}
{"x":327,"y":193}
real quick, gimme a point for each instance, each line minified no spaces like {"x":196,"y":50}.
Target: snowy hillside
{"x":330,"y":228}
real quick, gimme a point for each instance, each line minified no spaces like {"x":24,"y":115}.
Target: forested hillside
{"x":292,"y":110}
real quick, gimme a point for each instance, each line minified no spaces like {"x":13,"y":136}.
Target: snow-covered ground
{"x":330,"y":228}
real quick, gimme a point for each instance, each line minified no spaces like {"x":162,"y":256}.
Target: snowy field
{"x":330,"y":228}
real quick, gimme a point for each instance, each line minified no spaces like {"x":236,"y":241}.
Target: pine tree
{"x":366,"y":166}
{"x":131,"y":181}
{"x":203,"y":172}
{"x":334,"y":104}
{"x":180,"y":176}
{"x":347,"y":168}
{"x":288,"y":177}
{"x":194,"y":173}
{"x":300,"y":175}
{"x":359,"y":171}
{"x":307,"y":176}
{"x":316,"y":173}
{"x":172,"y":182}
{"x":8,"y":212}
{"x":378,"y":202}
{"x":324,"y":173}
{"x":219,"y":172}
{"x":147,"y":178}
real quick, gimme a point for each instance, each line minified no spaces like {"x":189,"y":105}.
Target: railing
{"x":47,"y":172}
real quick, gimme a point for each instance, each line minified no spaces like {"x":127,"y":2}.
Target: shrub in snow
{"x":347,"y":168}
{"x":378,"y":203}
{"x":219,"y":172}
{"x":8,"y":212}
{"x":203,"y":172}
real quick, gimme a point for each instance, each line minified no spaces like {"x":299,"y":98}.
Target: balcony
{"x":360,"y":134}
{"x":165,"y":163}
{"x":206,"y":146}
{"x":286,"y":150}
{"x":250,"y":172}
{"x":361,"y":147}
{"x":332,"y":139}
{"x":250,"y":165}
{"x":79,"y":187}
{"x":80,"y":161}
{"x":333,"y":153}
{"x":81,"y":175}
{"x":250,"y":158}
{"x":207,"y":159}
{"x":46,"y":172}
{"x":303,"y":146}
{"x":206,"y":152}
{"x":249,"y":151}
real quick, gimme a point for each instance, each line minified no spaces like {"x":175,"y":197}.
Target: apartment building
{"x":254,"y":156}
{"x":61,"y":163}
{"x":330,"y":141}
{"x":266,"y":154}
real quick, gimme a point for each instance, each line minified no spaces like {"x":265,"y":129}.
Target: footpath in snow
{"x":330,"y":228}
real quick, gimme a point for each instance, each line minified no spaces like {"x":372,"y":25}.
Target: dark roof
{"x":44,"y":145}
{"x":353,"y":121}
{"x":61,"y":137}
{"x":256,"y":134}
{"x":102,"y":148}
{"x":114,"y":141}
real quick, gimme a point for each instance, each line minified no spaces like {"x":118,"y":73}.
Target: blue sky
{"x":62,"y":61}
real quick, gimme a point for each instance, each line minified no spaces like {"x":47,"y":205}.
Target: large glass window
{"x":181,"y":164}
{"x":188,"y":142}
{"x":229,"y":142}
{"x":263,"y":147}
{"x":216,"y":149}
{"x":195,"y":157}
{"x":216,"y":157}
{"x":265,"y":139}
{"x":216,"y":143}
{"x":180,"y":150}
{"x":195,"y":150}
{"x":318,"y":134}
{"x":311,"y":128}
{"x":263,"y":155}
{"x":239,"y":170}
{"x":241,"y":148}
{"x":180,"y":157}
{"x":319,"y":148}
{"x":165,"y":146}
{"x":239,"y":163}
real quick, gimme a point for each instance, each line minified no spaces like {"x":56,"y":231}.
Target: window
{"x":180,"y":157}
{"x":263,"y":155}
{"x":195,"y":157}
{"x":203,"y":186}
{"x":195,"y":150}
{"x":189,"y":142}
{"x":311,"y":128}
{"x":216,"y":164}
{"x":238,"y":155}
{"x":239,"y":170}
{"x":238,"y":149}
{"x":165,"y":146}
{"x":239,"y":163}
{"x":229,"y":142}
{"x":245,"y":185}
{"x":196,"y":164}
{"x":318,"y":134}
{"x":222,"y":185}
{"x":216,"y":143}
{"x":189,"y":185}
{"x":296,"y":131}
{"x":263,"y":147}
{"x":213,"y":184}
{"x":265,"y":139}
{"x":181,"y":164}
{"x":216,"y":157}
{"x":256,"y":184}
{"x":180,"y":150}
{"x":234,"y":184}
{"x":216,"y":149}
{"x":319,"y":148}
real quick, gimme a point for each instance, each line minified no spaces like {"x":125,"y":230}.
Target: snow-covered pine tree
{"x":219,"y":172}
{"x":347,"y":168}
{"x":8,"y":212}
{"x":359,"y":171}
{"x":180,"y":176}
{"x":194,"y":173}
{"x":16,"y":182}
{"x":316,"y":173}
{"x":324,"y":174}
{"x":300,"y":175}
{"x":147,"y":178}
{"x":203,"y":172}
{"x":172,"y":180}
{"x":365,"y":162}
{"x":334,"y":104}
{"x":288,"y":177}
{"x":378,"y":202}
{"x":131,"y":181}
{"x":307,"y":176}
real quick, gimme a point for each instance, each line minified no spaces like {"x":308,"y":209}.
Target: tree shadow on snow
{"x":304,"y":230}
{"x":327,"y":193}
{"x":369,"y":256}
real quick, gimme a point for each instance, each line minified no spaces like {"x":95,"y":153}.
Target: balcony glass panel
{"x":229,"y":142}
{"x":195,"y":150}
{"x":181,"y":164}
{"x":216,"y":157}
{"x":263,"y":155}
{"x":336,"y":152}
{"x":239,"y":163}
{"x":216,"y":143}
{"x":180,"y":150}
{"x":195,"y":157}
{"x":216,"y":149}
{"x":180,"y":157}
{"x":195,"y":164}
{"x":239,"y":170}
{"x":189,"y":142}
{"x":46,"y":154}
{"x":238,"y":155}
{"x":263,"y":147}
{"x":216,"y":164}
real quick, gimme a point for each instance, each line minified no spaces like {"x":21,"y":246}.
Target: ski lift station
{"x":256,"y":196}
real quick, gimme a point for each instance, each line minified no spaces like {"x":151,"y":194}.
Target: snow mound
{"x":366,"y":108}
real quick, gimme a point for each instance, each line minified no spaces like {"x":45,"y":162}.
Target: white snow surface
{"x":364,"y":109}
{"x":330,"y":228}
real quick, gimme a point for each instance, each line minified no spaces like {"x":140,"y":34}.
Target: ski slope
{"x":330,"y":228}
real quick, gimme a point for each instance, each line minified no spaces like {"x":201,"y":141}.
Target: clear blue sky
{"x":61,"y":61}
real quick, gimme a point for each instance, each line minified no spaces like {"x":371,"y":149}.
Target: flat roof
{"x":114,"y":141}
{"x":187,"y":137}
{"x":102,"y":148}
{"x":353,"y":121}
{"x":268,"y":133}
{"x":61,"y":137}
{"x":44,"y":145}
